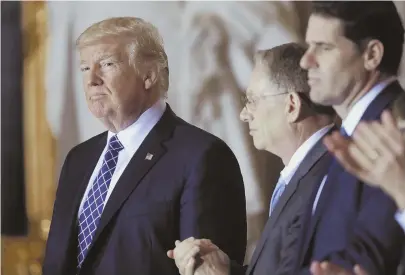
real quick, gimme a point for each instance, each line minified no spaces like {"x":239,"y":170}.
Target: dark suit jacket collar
{"x":313,"y":156}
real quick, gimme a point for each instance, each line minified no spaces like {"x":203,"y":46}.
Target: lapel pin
{"x":149,"y":156}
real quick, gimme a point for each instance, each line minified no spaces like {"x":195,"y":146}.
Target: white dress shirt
{"x":353,"y":119}
{"x":289,"y":170}
{"x":131,"y":138}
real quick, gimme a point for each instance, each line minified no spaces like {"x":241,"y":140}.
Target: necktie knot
{"x":115,"y":144}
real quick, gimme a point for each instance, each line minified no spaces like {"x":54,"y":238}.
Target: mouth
{"x":97,"y":96}
{"x":312,"y":81}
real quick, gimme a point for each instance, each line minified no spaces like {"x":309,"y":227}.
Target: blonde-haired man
{"x":126,"y":195}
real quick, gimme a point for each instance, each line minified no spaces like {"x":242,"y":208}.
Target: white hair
{"x":145,"y":44}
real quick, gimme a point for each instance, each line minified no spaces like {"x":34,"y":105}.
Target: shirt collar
{"x":138,"y":130}
{"x":360,"y":107}
{"x":289,"y":170}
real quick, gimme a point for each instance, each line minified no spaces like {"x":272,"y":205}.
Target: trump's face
{"x":113,"y":87}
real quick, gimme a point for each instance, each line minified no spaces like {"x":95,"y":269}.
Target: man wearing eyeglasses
{"x":283,"y":121}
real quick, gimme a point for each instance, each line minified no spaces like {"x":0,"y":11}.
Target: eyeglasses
{"x":251,"y":102}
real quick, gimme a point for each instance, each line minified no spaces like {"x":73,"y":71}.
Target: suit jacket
{"x":191,"y":187}
{"x":276,"y":251}
{"x":354,"y":222}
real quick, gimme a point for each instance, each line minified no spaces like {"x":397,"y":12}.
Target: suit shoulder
{"x":87,"y":145}
{"x":194,"y":139}
{"x":197,"y":136}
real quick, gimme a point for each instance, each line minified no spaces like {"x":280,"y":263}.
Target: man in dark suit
{"x":126,"y":195}
{"x":283,"y":121}
{"x":353,"y":58}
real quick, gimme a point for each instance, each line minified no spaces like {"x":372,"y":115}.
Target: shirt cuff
{"x":400,"y":217}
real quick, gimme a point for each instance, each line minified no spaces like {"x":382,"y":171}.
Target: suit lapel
{"x":137,"y":168}
{"x":91,"y":157}
{"x":77,"y":187}
{"x":373,"y":112}
{"x":309,"y":161}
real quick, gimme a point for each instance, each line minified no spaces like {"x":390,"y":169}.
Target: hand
{"x":189,"y":249}
{"x":376,"y":155}
{"x":199,"y":257}
{"x":326,"y":268}
{"x":213,"y":263}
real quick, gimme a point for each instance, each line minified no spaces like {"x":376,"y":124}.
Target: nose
{"x":245,"y":116}
{"x":94,"y":78}
{"x":307,"y":60}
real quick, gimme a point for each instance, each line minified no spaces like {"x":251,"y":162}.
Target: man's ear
{"x":150,"y":78}
{"x":293,"y":107}
{"x":373,"y":54}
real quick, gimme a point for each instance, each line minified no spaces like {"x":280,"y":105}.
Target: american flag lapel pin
{"x":149,"y":156}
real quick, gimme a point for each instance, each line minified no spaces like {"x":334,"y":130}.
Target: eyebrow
{"x":323,"y":44}
{"x":99,"y":58}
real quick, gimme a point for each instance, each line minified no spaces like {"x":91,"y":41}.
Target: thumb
{"x":316,"y":268}
{"x":170,"y":254}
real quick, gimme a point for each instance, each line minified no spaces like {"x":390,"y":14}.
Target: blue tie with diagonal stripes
{"x":94,"y":203}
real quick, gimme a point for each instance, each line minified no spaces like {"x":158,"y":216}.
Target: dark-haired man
{"x":353,"y":57}
{"x":282,"y":120}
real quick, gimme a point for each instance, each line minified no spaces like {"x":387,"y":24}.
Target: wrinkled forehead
{"x":259,"y":80}
{"x":323,"y":29}
{"x":101,"y":50}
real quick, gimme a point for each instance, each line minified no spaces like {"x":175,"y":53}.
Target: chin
{"x":258,"y":145}
{"x":98,"y":110}
{"x":319,"y":98}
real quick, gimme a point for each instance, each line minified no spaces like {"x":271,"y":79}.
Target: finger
{"x":340,"y":140}
{"x":189,"y":239}
{"x":359,"y":271}
{"x":192,"y":253}
{"x":206,"y":246}
{"x":367,"y":140}
{"x":391,"y":138}
{"x":182,"y":248}
{"x":388,"y":120}
{"x":347,"y":161}
{"x":316,"y":269}
{"x":355,"y":163}
{"x":364,"y":163}
{"x":335,"y":141}
{"x":189,"y":270}
{"x":170,"y":254}
{"x":330,"y":144}
{"x":330,"y":268}
{"x":207,"y":242}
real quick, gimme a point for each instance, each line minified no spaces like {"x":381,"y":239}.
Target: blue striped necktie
{"x":94,"y":204}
